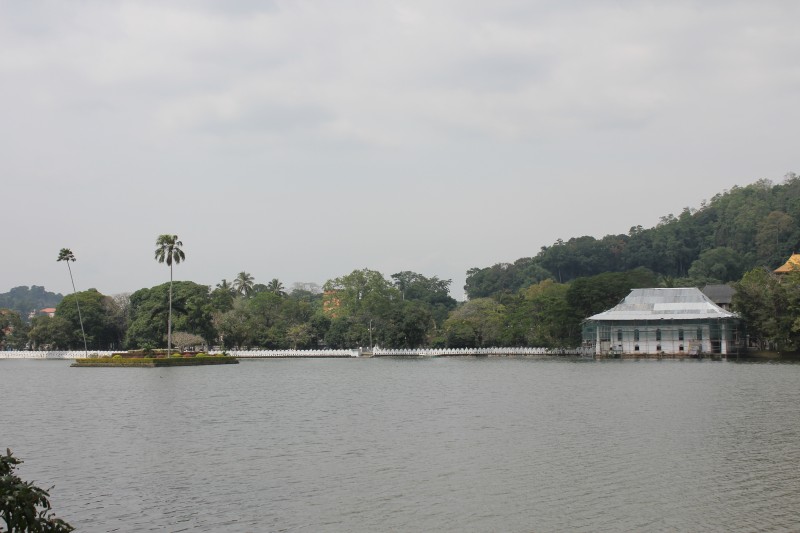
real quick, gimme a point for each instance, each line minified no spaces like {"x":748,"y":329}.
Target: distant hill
{"x":25,"y":300}
{"x":735,"y":231}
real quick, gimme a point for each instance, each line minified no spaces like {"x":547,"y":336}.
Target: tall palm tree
{"x":275,"y":286}
{"x":243,"y":284}
{"x":168,"y":250}
{"x":66,"y":255}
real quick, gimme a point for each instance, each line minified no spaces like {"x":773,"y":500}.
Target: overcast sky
{"x":301,"y":140}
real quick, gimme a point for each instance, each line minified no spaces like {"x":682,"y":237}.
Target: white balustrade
{"x":52,"y":354}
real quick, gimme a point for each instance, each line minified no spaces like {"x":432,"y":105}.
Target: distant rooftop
{"x":664,"y":304}
{"x":719,"y":294}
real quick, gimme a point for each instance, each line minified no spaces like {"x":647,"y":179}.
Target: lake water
{"x":440,"y":444}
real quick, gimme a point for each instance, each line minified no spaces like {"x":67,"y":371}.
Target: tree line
{"x":362,"y":308}
{"x":737,"y":237}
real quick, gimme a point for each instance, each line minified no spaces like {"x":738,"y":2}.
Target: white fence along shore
{"x":438,"y":352}
{"x":53,"y":354}
{"x":287,"y":353}
{"x":235,"y":353}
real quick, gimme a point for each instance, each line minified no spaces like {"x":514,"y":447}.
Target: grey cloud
{"x":543,"y":108}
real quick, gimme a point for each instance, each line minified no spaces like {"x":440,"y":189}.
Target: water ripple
{"x":467,"y":444}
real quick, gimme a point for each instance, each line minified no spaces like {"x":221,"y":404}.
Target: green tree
{"x":101,"y":321}
{"x":433,"y":292}
{"x":413,"y":286}
{"x":243,"y":284}
{"x":13,"y":331}
{"x":591,"y":295}
{"x":66,"y":255}
{"x":192,"y":312}
{"x":540,"y":316}
{"x":52,"y":332}
{"x":476,"y":323}
{"x":717,"y":265}
{"x":23,"y":505}
{"x":409,"y":325}
{"x":168,"y":249}
{"x":222,"y":296}
{"x":276,"y":287}
{"x":505,"y":277}
{"x":765,"y":304}
{"x":233,"y":326}
{"x":299,"y":335}
{"x":364,"y":299}
{"x":771,"y":236}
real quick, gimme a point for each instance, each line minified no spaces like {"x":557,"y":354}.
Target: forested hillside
{"x":736,"y":230}
{"x":26,"y":300}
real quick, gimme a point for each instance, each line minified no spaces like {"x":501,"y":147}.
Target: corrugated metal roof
{"x":719,"y":294}
{"x":667,"y":304}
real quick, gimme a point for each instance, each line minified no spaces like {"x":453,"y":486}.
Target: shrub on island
{"x":137,"y":360}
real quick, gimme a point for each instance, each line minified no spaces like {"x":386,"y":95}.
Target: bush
{"x":152,"y":361}
{"x":23,"y":505}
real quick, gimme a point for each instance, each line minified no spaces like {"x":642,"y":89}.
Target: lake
{"x":418,"y":444}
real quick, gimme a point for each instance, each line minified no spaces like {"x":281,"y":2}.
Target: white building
{"x":662,"y":321}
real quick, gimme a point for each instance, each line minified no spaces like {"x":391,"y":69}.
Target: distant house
{"x":668,"y":321}
{"x":49,"y":311}
{"x":792,"y":264}
{"x":722,"y":295}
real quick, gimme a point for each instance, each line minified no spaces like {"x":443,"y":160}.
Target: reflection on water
{"x":461,"y":444}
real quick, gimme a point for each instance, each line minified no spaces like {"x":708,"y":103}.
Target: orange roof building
{"x":789,"y":266}
{"x":331,"y":303}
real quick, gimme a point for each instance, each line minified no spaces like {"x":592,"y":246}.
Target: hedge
{"x":153,"y":362}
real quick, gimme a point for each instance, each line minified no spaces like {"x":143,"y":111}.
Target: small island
{"x":154,"y":358}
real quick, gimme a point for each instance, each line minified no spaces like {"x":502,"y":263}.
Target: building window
{"x":658,"y":347}
{"x":680,"y":334}
{"x":619,"y":334}
{"x":658,"y":335}
{"x":699,"y":334}
{"x":680,"y":348}
{"x":636,"y":348}
{"x":636,"y":335}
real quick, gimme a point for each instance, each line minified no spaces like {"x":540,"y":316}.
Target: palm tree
{"x":66,"y":255}
{"x":168,"y":250}
{"x":243,"y":284}
{"x":275,"y":286}
{"x":226,"y":287}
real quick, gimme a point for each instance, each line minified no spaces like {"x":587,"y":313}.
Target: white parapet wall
{"x":20,"y":354}
{"x":435,"y":352}
{"x":287,"y":353}
{"x":234,"y":353}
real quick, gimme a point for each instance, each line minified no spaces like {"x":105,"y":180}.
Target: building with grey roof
{"x":722,"y":295}
{"x":681,"y":321}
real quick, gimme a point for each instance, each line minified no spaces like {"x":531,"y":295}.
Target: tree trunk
{"x":80,"y":318}
{"x":169,"y":319}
